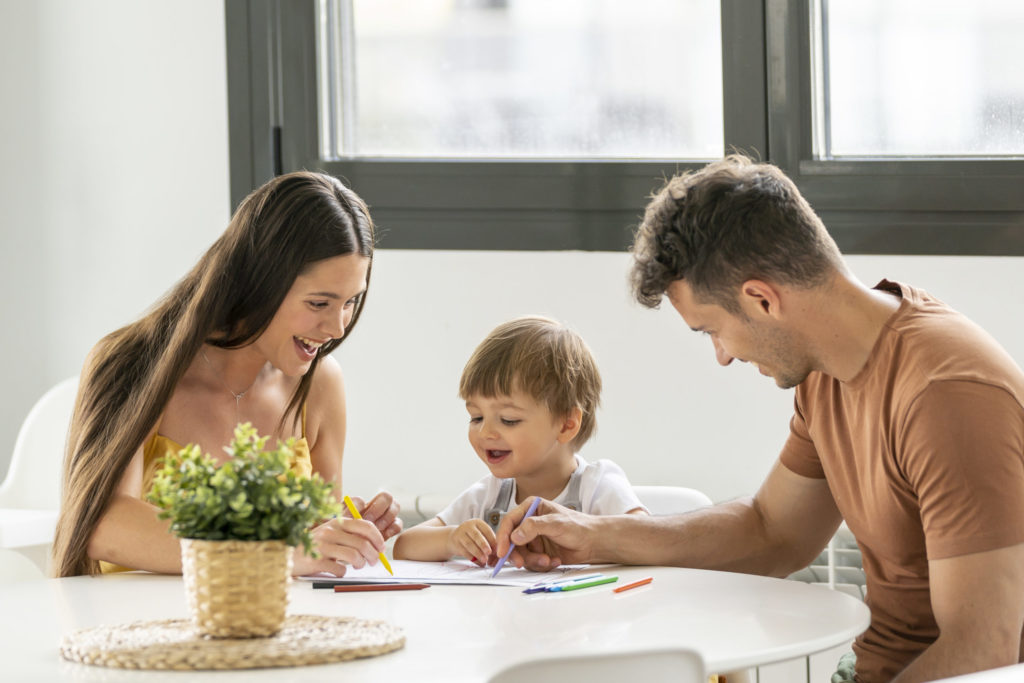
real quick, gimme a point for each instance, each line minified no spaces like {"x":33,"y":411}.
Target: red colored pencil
{"x":352,"y":588}
{"x":635,"y":584}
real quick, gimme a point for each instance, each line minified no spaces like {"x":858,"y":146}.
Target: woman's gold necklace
{"x":238,"y":396}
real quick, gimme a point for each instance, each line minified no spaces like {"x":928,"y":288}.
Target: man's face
{"x":759,"y":339}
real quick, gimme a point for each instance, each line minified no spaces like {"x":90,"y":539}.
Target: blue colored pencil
{"x":511,"y":546}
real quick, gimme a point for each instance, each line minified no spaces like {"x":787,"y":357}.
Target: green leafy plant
{"x":254,"y":496}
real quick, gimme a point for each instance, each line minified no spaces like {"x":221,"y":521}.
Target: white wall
{"x":113,"y":173}
{"x":114,"y":178}
{"x":670,"y":414}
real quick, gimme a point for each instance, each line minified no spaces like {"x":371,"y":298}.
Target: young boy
{"x":531,"y":389}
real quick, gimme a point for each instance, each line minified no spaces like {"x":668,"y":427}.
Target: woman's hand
{"x":475,"y":540}
{"x":341,"y":541}
{"x":382,"y":511}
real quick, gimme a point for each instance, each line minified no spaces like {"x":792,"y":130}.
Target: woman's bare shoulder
{"x":329,"y":379}
{"x":327,"y":392}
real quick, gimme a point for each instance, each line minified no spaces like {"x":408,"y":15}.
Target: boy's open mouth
{"x":496,"y":456}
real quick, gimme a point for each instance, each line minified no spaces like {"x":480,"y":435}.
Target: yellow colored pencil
{"x":355,"y":515}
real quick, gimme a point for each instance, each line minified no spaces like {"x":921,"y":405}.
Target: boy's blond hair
{"x":540,"y":357}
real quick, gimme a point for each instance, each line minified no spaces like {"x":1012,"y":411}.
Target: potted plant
{"x":238,"y":522}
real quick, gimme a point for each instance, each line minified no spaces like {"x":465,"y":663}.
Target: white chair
{"x":670,"y":500}
{"x":33,"y":480}
{"x":30,"y":493}
{"x":14,"y":566}
{"x":679,"y":666}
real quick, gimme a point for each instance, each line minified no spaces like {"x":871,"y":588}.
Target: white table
{"x":1006,"y":674}
{"x":459,"y":633}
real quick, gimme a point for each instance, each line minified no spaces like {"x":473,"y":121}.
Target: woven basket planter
{"x":236,"y":589}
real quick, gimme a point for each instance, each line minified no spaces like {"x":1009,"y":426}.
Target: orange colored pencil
{"x":635,"y":584}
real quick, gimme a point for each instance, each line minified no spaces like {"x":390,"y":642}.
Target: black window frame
{"x":871,"y":206}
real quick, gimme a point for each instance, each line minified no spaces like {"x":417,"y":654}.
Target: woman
{"x":244,"y":337}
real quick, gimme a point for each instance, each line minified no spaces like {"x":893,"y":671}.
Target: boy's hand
{"x":475,"y":540}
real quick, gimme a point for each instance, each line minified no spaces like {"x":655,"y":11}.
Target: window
{"x":521,"y":79}
{"x":923,"y":78}
{"x":545,"y":124}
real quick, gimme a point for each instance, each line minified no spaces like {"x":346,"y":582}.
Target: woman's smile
{"x":308,"y":348}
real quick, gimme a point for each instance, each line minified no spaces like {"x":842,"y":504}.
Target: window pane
{"x":532,"y":78}
{"x":925,"y":77}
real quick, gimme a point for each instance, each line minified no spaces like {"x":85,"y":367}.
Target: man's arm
{"x":781,"y":529}
{"x":978,"y":601}
{"x":961,"y":454}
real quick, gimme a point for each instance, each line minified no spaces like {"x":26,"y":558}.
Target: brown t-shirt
{"x":924,"y":453}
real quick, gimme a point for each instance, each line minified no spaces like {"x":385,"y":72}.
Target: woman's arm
{"x":341,"y":540}
{"x":326,"y":425}
{"x":130,"y":534}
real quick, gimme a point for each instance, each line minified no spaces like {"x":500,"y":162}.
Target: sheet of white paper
{"x":451,"y":572}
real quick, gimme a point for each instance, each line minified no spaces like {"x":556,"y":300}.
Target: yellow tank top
{"x":159,"y":446}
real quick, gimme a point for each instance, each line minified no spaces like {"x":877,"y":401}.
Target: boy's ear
{"x":571,"y":424}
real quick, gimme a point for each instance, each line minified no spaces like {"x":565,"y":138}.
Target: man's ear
{"x":571,"y":424}
{"x":759,"y":298}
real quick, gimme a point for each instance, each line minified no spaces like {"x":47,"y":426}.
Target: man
{"x":908,"y":424}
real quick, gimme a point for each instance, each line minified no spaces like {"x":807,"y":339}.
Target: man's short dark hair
{"x":732,"y":221}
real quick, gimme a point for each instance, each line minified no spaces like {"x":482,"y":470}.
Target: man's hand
{"x":553,"y":536}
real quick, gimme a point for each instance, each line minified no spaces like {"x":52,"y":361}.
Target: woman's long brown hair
{"x":228,"y":299}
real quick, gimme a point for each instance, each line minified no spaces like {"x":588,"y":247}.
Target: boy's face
{"x":515,"y":436}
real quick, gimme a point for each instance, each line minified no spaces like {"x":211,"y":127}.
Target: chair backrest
{"x":16,"y":567}
{"x":677,"y":665}
{"x":671,"y":500}
{"x":33,"y":480}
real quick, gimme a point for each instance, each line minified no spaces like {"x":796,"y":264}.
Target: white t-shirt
{"x":604,"y":490}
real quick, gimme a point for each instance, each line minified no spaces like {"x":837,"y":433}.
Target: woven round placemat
{"x":177,"y":644}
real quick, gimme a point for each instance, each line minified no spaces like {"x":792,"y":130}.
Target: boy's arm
{"x":130,"y":533}
{"x":432,"y":541}
{"x":426,"y":542}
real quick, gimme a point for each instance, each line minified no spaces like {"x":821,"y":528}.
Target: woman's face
{"x":317,"y":309}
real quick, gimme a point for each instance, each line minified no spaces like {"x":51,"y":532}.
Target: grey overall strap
{"x":572,"y":494}
{"x":500,"y":507}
